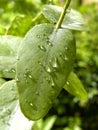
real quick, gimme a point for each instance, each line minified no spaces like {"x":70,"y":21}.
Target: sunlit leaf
{"x":75,"y":87}
{"x":46,"y":124}
{"x":72,"y":20}
{"x":8,"y":53}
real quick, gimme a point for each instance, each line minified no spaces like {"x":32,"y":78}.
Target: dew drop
{"x":48,"y":69}
{"x":52,"y":84}
{"x":40,"y":63}
{"x":65,"y":58}
{"x":31,"y":104}
{"x":17,"y":80}
{"x":13,"y":70}
{"x":17,"y":58}
{"x":67,"y":82}
{"x":49,"y":43}
{"x":30,"y":76}
{"x":55,"y":63}
{"x":42,"y":47}
{"x":24,"y":75}
{"x":66,"y":48}
{"x":44,"y":9}
{"x":48,"y":80}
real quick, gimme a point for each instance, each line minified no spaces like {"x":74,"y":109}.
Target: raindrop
{"x":55,"y":63}
{"x":26,"y":81}
{"x":24,"y":75}
{"x":48,"y":69}
{"x":65,"y":58}
{"x":30,"y":76}
{"x":48,"y":80}
{"x":17,"y":58}
{"x":42,"y":47}
{"x":67,"y":82}
{"x":45,"y":9}
{"x":17,"y":80}
{"x":13,"y":70}
{"x":66,"y":48}
{"x":52,"y":84}
{"x":40,"y":63}
{"x":31,"y":104}
{"x":49,"y":43}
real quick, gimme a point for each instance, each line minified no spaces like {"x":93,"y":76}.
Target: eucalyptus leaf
{"x":49,"y":122}
{"x":75,"y":87}
{"x":46,"y":124}
{"x":72,"y":20}
{"x":8,"y":53}
{"x":8,"y":103}
{"x":43,"y":69}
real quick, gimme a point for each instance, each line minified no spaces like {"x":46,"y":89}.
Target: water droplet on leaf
{"x":52,"y":84}
{"x":17,"y":58}
{"x":42,"y":47}
{"x":67,"y":82}
{"x":49,"y":43}
{"x":65,"y":58}
{"x":55,"y":63}
{"x":48,"y":69}
{"x":31,"y":104}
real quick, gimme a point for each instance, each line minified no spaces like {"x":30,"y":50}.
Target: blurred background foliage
{"x":68,"y":113}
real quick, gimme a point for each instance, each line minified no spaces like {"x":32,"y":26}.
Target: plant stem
{"x":58,"y":25}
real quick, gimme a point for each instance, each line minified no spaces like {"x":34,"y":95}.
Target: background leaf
{"x":8,"y":103}
{"x":44,"y":124}
{"x":8,"y":55}
{"x":72,"y":20}
{"x":75,"y":87}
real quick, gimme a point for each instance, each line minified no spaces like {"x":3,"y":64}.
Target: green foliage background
{"x":18,"y":16}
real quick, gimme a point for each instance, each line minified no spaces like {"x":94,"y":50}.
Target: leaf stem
{"x":58,"y":25}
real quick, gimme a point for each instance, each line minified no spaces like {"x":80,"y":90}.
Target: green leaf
{"x":8,"y":102}
{"x":75,"y":87}
{"x":49,"y":122}
{"x":8,"y":53}
{"x":72,"y":20}
{"x":19,"y":26}
{"x":43,"y":69}
{"x":44,"y":124}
